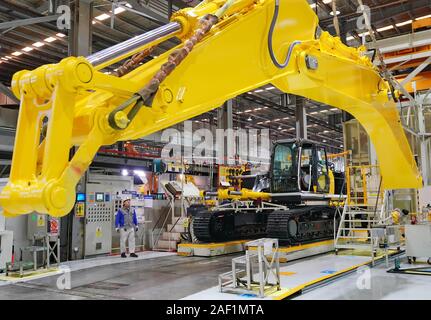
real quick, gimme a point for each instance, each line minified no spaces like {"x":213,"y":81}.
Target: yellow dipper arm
{"x":74,"y":99}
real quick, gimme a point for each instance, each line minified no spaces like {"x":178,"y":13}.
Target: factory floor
{"x":165,"y":277}
{"x":377,"y":284}
{"x":168,"y":276}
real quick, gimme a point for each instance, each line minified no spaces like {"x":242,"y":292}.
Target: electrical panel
{"x":99,"y":215}
{"x":118,"y":203}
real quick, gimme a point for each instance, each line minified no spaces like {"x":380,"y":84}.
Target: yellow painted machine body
{"x":74,"y":98}
{"x":243,"y":194}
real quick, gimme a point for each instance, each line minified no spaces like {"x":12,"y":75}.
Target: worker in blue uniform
{"x":126,"y":224}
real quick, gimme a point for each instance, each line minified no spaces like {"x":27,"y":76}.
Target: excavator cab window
{"x":313,"y":173}
{"x":284,"y":166}
{"x":322,"y":171}
{"x":307,"y":172}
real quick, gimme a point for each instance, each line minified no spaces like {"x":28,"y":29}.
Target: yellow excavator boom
{"x":228,"y":48}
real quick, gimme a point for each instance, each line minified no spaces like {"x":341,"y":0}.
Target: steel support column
{"x":225,"y":122}
{"x":424,"y":156}
{"x":224,"y":116}
{"x":80,"y":37}
{"x":170,"y":9}
{"x":300,"y":119}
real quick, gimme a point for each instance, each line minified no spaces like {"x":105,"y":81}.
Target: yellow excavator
{"x":228,"y":47}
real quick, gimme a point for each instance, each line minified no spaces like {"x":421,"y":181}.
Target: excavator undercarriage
{"x":297,"y":225}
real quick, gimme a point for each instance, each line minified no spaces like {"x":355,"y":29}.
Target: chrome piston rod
{"x":132,"y":44}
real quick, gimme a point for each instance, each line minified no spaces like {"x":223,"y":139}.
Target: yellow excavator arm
{"x":228,"y":48}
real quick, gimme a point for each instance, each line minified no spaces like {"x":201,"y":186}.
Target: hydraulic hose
{"x":146,"y":95}
{"x":270,"y":44}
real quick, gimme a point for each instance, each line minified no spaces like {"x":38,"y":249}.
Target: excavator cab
{"x":299,"y":166}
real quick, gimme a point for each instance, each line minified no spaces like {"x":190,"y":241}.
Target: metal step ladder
{"x":355,"y":228}
{"x":364,"y":209}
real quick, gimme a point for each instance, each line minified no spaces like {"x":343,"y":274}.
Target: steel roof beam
{"x":25,"y":22}
{"x":278,"y":107}
{"x":147,"y":12}
{"x":8,"y":93}
{"x":391,"y":10}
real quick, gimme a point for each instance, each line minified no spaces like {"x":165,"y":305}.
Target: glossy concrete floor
{"x":374,"y":284}
{"x":175,"y":277}
{"x":171,"y":277}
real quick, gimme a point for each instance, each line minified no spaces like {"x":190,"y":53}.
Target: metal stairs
{"x":169,"y":239}
{"x":364,"y":209}
{"x":355,"y":228}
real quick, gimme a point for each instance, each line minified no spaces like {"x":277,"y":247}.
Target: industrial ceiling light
{"x":27,"y":49}
{"x":404,"y":23}
{"x":50,"y":39}
{"x":364,"y":34}
{"x":38,"y":44}
{"x":249,"y":119}
{"x":332,"y":13}
{"x":124,"y":172}
{"x":139,"y":173}
{"x":119,"y":10}
{"x":61,"y":35}
{"x":424,"y":17}
{"x":103,"y":16}
{"x":385,"y":28}
{"x":16,"y":53}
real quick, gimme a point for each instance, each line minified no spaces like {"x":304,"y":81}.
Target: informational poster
{"x":98,"y":232}
{"x":148,"y":201}
{"x":40,"y":220}
{"x":53,"y":226}
{"x":79,"y":210}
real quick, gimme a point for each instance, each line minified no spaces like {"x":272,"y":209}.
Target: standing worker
{"x":126,"y":223}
